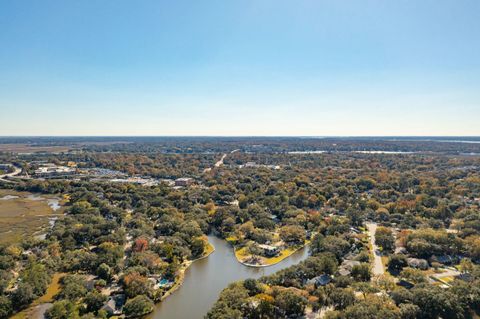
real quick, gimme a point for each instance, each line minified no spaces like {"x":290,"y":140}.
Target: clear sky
{"x":240,"y":67}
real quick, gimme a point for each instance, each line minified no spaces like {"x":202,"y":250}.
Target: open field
{"x":35,"y":148}
{"x":27,"y":148}
{"x":24,"y":214}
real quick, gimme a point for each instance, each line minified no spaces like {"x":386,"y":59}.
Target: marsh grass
{"x":21,"y":217}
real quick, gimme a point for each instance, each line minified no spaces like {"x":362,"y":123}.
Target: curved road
{"x":14,"y":173}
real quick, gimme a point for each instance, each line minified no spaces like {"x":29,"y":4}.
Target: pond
{"x":206,"y":278}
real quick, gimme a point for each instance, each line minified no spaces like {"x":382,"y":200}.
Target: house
{"x":442,"y":259}
{"x":114,"y":304}
{"x":346,"y":267}
{"x":90,"y":281}
{"x":418,"y":263}
{"x":355,"y":230}
{"x":321,"y":280}
{"x":465,"y":277}
{"x":268,"y":250}
{"x":255,"y":165}
{"x":405,"y":284}
{"x":273,"y":217}
{"x":183,"y":181}
{"x":110,"y":307}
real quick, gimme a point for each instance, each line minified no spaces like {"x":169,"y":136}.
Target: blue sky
{"x":231,"y":67}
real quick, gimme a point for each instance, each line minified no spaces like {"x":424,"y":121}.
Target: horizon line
{"x":253,"y":136}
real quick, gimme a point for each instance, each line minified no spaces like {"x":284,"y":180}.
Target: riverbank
{"x":242,"y":256}
{"x":183,"y":268}
{"x":206,"y":278}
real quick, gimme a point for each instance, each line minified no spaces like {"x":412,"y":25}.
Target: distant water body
{"x":383,"y":152}
{"x":362,"y":152}
{"x":457,"y":141}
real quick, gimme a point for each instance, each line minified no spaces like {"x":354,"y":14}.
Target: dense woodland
{"x":123,"y":237}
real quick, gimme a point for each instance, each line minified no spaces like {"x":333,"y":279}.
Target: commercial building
{"x":51,"y":170}
{"x":184,"y":181}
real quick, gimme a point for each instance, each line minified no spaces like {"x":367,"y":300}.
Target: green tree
{"x":290,"y":304}
{"x":385,"y":239}
{"x":373,"y":307}
{"x":197,"y":247}
{"x":138,"y":306}
{"x":409,"y":311}
{"x":396,"y":263}
{"x":63,"y":309}
{"x":252,"y":286}
{"x":37,"y":276}
{"x":73,"y":288}
{"x":94,"y":301}
{"x":416,"y":276}
{"x":23,"y":295}
{"x":230,"y":303}
{"x":341,"y":298}
{"x":104,"y":272}
{"x":293,"y":234}
{"x":361,"y":272}
{"x":5,"y":307}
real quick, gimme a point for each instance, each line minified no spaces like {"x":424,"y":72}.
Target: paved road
{"x":220,"y":162}
{"x":14,"y":173}
{"x":377,"y":260}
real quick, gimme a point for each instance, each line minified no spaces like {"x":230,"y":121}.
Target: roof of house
{"x":114,"y":304}
{"x":442,"y":258}
{"x":267,"y":247}
{"x":416,"y":260}
{"x":321,"y":280}
{"x":348,"y":264}
{"x":344,"y":271}
{"x":110,"y":306}
{"x":406,"y":284}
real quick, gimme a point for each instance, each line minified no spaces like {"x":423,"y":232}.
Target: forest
{"x":119,"y":248}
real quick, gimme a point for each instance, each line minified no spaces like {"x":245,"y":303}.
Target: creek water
{"x":206,"y":278}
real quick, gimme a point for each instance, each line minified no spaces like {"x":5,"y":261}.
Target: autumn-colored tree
{"x":140,"y":245}
{"x":136,"y":284}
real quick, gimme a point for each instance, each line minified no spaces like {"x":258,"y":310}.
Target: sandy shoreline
{"x":270,"y":264}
